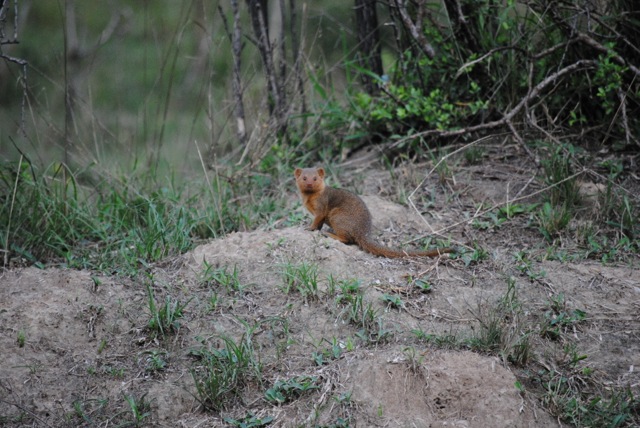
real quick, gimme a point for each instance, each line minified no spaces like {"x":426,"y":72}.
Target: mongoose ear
{"x":297,"y":172}
{"x":321,"y":172}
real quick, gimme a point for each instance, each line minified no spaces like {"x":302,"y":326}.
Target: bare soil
{"x":87,"y":345}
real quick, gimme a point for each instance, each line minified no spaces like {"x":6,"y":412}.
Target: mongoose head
{"x":309,"y":180}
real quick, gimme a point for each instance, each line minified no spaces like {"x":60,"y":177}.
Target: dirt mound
{"x":76,"y":349}
{"x":458,"y":389}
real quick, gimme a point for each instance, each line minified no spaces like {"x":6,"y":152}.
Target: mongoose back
{"x":345,"y":213}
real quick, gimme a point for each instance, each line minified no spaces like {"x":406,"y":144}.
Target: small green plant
{"x":564,"y":193}
{"x":559,"y":176}
{"x":332,"y":284}
{"x":571,"y":397}
{"x":33,"y":367}
{"x":422,"y":335}
{"x":140,"y":409}
{"x":21,"y":338}
{"x":474,"y":154}
{"x":442,"y":169}
{"x":614,"y":167}
{"x":419,"y":284}
{"x":285,"y":390}
{"x":503,"y":214}
{"x":414,"y":359}
{"x":558,"y":317}
{"x":497,"y":220}
{"x":221,"y":276}
{"x":500,"y":331}
{"x":78,"y":409}
{"x":524,"y":265}
{"x":303,"y":278}
{"x":89,"y":411}
{"x":491,"y":336}
{"x":572,"y":356}
{"x":481,"y":224}
{"x":619,"y":212}
{"x":213,"y":301}
{"x":520,"y":352}
{"x":361,"y":314}
{"x":154,"y":360}
{"x":552,"y":219}
{"x":250,"y":421}
{"x":477,"y":255}
{"x":116,"y":372}
{"x":332,"y":353}
{"x":508,"y":211}
{"x":392,"y":300}
{"x":165,"y":319}
{"x":446,"y":341}
{"x":347,"y":289}
{"x":96,"y":282}
{"x":223,"y":372}
{"x":608,"y":79}
{"x":343,"y":398}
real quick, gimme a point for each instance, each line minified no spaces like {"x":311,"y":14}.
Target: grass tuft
{"x":164,"y":318}
{"x":221,"y":373}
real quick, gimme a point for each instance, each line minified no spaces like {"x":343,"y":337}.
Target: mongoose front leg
{"x":317,"y":223}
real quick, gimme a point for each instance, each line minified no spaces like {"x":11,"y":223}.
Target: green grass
{"x":154,"y":360}
{"x":220,"y":374}
{"x":558,"y":318}
{"x":302,"y":278}
{"x":80,"y":219}
{"x":133,"y":411}
{"x":165,"y":318}
{"x":21,"y":339}
{"x":287,"y":390}
{"x":140,"y":409}
{"x":325,"y":355}
{"x":249,"y":421}
{"x":575,"y":397}
{"x":213,"y":277}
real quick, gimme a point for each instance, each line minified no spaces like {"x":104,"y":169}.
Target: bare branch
{"x":296,"y":50}
{"x":601,"y":48}
{"x":235,"y":37}
{"x":414,"y":28}
{"x":258,"y":13}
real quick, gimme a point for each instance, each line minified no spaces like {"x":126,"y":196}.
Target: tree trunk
{"x":368,"y":42}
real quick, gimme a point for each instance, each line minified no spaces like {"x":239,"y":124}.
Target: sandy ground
{"x":87,"y":346}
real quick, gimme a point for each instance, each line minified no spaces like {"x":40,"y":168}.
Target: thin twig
{"x":13,"y":200}
{"x":414,"y":29}
{"x":445,"y":157}
{"x":213,"y":198}
{"x":507,"y":202}
{"x":24,"y":409}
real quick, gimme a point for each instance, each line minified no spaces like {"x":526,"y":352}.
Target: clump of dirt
{"x":438,"y":388}
{"x":86,"y":353}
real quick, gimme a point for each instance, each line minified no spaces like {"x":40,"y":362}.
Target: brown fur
{"x":345,"y":213}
